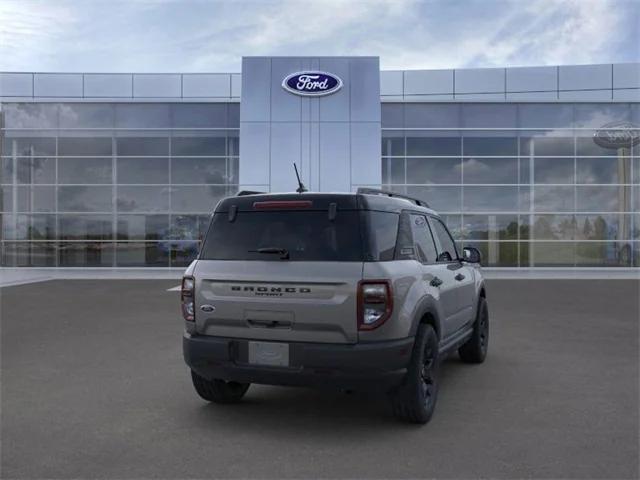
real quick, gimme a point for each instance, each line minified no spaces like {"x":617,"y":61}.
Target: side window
{"x":383,"y":230}
{"x":446,"y":246}
{"x":425,"y":249}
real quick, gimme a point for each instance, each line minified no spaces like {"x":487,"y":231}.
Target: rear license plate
{"x":269,"y":353}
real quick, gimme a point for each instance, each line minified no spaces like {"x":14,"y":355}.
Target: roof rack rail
{"x":376,"y":191}
{"x":242,"y":193}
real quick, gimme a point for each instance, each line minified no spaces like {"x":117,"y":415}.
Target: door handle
{"x":459,"y":277}
{"x":436,"y":282}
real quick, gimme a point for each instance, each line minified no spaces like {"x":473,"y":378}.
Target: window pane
{"x":6,"y":199}
{"x":73,"y":115}
{"x":181,"y":254}
{"x":454,"y":224}
{"x":603,"y":227}
{"x":434,"y":170}
{"x":29,"y":146}
{"x":198,"y":146}
{"x":199,"y":170}
{"x":587,"y":146}
{"x":142,"y":227}
{"x":196,"y":199}
{"x":84,"y":170}
{"x":28,"y":227}
{"x":143,"y":199}
{"x":433,"y":115}
{"x":36,"y":199}
{"x":546,"y":146}
{"x":89,"y":146}
{"x":188,"y":227}
{"x":551,"y":254}
{"x":85,"y":199}
{"x":596,"y":115}
{"x":36,"y":170}
{"x":29,"y":115}
{"x":6,"y":170}
{"x":603,"y":198}
{"x":603,"y":254}
{"x":489,"y":146}
{"x":392,"y":115}
{"x":489,"y":115}
{"x":554,"y":227}
{"x":393,"y":170}
{"x":132,"y":254}
{"x":143,"y":170}
{"x":233,"y":142}
{"x":306,"y":235}
{"x":441,"y":199}
{"x":418,"y":144}
{"x":446,"y":248}
{"x":143,"y":146}
{"x":553,"y":199}
{"x":81,"y":254}
{"x":142,"y":115}
{"x":490,"y":199}
{"x":392,"y":144}
{"x":490,"y":227}
{"x":490,"y":170}
{"x":85,"y":227}
{"x":200,"y":115}
{"x":423,"y":244}
{"x":603,"y":170}
{"x":545,"y":116}
{"x":383,"y":228}
{"x":553,"y":170}
{"x":23,"y":254}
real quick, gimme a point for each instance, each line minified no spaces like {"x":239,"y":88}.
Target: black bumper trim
{"x":375,"y":365}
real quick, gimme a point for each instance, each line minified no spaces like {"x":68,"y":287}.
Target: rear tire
{"x":475,"y":349}
{"x":218,"y":391}
{"x":415,"y":401}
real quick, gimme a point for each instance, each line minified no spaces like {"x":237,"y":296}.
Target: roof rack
{"x":242,"y":193}
{"x":375,"y":191}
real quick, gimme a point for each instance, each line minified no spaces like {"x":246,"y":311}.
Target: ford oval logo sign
{"x":617,"y":135}
{"x":312,"y":84}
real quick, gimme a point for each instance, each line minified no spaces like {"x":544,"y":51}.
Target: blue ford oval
{"x":312,"y":83}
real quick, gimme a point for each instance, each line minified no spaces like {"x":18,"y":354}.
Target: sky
{"x":212,"y":36}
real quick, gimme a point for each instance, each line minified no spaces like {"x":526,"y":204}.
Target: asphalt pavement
{"x":93,"y":386}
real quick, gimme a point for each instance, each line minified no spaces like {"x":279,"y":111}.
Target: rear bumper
{"x":363,"y":366}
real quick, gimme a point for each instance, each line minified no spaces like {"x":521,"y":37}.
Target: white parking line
{"x":174,"y":289}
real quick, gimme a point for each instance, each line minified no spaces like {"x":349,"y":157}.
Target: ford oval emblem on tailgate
{"x":207,"y":308}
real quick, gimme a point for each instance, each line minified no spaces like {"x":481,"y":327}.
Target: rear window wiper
{"x":283,"y":252}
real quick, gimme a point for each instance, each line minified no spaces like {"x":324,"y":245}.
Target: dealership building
{"x":537,"y":167}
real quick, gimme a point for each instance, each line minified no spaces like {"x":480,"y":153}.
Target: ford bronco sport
{"x":361,"y":290}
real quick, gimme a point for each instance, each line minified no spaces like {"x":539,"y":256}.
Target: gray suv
{"x":357,"y":291}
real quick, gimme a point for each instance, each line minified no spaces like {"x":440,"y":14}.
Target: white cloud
{"x":206,"y":35}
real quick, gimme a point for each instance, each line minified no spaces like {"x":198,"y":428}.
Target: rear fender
{"x":427,"y":307}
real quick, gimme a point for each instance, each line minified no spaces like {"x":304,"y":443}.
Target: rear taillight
{"x":187,"y":297}
{"x":375,"y":303}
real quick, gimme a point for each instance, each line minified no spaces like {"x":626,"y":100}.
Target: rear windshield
{"x":303,"y":235}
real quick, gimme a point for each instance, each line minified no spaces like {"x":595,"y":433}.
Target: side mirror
{"x":471,"y":255}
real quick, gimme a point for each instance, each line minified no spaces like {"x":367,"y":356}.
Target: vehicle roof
{"x":321,"y":201}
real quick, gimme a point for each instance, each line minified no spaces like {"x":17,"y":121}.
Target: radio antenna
{"x":301,"y":188}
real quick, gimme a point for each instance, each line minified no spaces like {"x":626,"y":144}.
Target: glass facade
{"x":132,"y":184}
{"x":524,"y":183}
{"x":113,"y":184}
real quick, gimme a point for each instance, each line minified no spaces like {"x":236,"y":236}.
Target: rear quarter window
{"x":382,"y":233}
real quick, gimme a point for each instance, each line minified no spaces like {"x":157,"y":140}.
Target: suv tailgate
{"x":281,"y":301}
